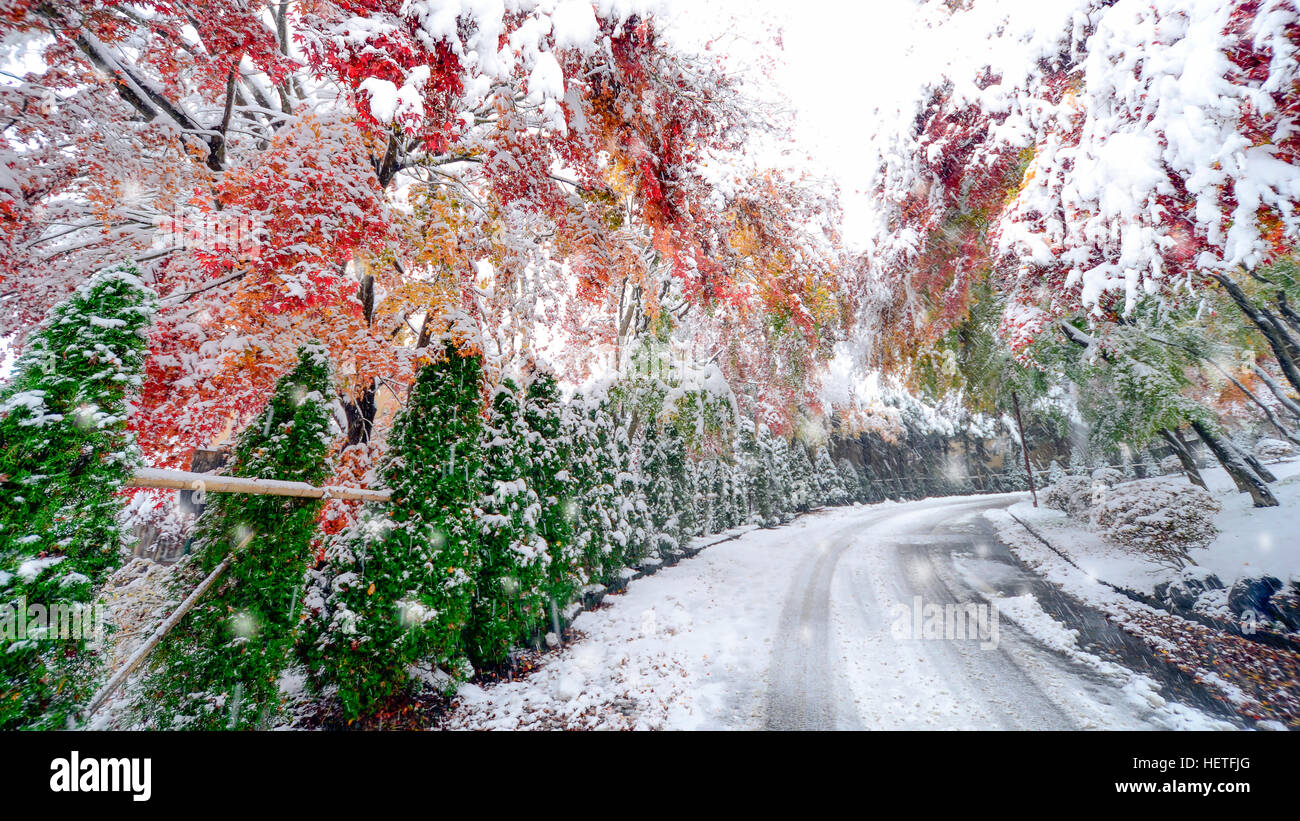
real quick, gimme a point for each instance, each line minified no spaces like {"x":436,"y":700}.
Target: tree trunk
{"x":360,"y":410}
{"x":1184,"y":455}
{"x":1255,"y":465}
{"x":1288,"y":313}
{"x":1288,"y":356}
{"x":1024,"y":448}
{"x":1287,"y":402}
{"x":1243,"y":476}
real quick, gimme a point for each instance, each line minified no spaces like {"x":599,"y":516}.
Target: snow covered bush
{"x":769,"y":489}
{"x":65,"y":451}
{"x":1071,"y":495}
{"x":600,"y":533}
{"x":220,"y":667}
{"x":850,"y":479}
{"x":800,"y":470}
{"x":1108,"y":476}
{"x":1273,"y":450}
{"x":510,"y":597}
{"x":1161,"y":519}
{"x":830,"y":485}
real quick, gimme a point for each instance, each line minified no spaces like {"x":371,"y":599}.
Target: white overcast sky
{"x":844,"y":69}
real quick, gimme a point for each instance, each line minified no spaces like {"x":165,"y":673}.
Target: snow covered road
{"x":835,"y":622}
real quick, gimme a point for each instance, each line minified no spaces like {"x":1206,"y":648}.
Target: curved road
{"x":848,"y":654}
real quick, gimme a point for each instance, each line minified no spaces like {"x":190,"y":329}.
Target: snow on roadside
{"x":1260,"y":683}
{"x":1139,"y":689}
{"x":1255,"y":541}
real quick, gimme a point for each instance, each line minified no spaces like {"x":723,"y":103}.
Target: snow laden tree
{"x":717,"y":512}
{"x":1136,"y":391}
{"x":830,"y":482}
{"x":770,"y":489}
{"x":1119,"y":153}
{"x":510,"y":601}
{"x":632,"y":529}
{"x":800,"y":468}
{"x":65,"y":451}
{"x":550,"y":457}
{"x":397,"y":591}
{"x":740,"y":475}
{"x":337,"y":170}
{"x":220,"y":667}
{"x":849,"y":480}
{"x":600,"y":526}
{"x":663,"y":463}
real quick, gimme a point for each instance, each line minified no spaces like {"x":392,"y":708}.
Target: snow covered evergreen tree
{"x":220,"y":667}
{"x":595,"y":476}
{"x":849,"y":480}
{"x":510,"y":602}
{"x":800,"y":470}
{"x":739,"y":471}
{"x":399,"y":584}
{"x":65,"y":451}
{"x":662,"y":468}
{"x":769,"y":484}
{"x":830,"y":486}
{"x":632,"y":523}
{"x":550,"y":458}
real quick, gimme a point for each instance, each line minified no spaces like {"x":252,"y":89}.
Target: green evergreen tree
{"x":738,"y":473}
{"x":770,"y":481}
{"x":849,"y":481}
{"x":662,"y":468}
{"x":220,"y":667}
{"x":400,"y":583}
{"x":65,"y":451}
{"x":510,"y":601}
{"x":830,"y":485}
{"x":633,"y":528}
{"x":802,"y":491}
{"x":603,"y":538}
{"x":550,"y":460}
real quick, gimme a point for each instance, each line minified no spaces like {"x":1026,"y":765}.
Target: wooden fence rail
{"x":212,"y":483}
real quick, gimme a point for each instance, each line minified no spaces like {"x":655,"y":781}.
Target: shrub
{"x":1159,"y":518}
{"x":1108,"y":476}
{"x":397,"y":588}
{"x":1059,"y":495}
{"x":1273,"y":450}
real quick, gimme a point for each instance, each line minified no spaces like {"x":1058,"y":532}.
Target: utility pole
{"x":1024,"y":448}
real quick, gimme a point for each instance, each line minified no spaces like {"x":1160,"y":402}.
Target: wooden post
{"x":145,"y":649}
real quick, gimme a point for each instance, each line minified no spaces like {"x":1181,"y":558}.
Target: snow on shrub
{"x":1108,"y":476}
{"x":1070,"y":494}
{"x":220,"y":667}
{"x":1159,"y":518}
{"x":1057,"y":495}
{"x":1273,"y":450}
